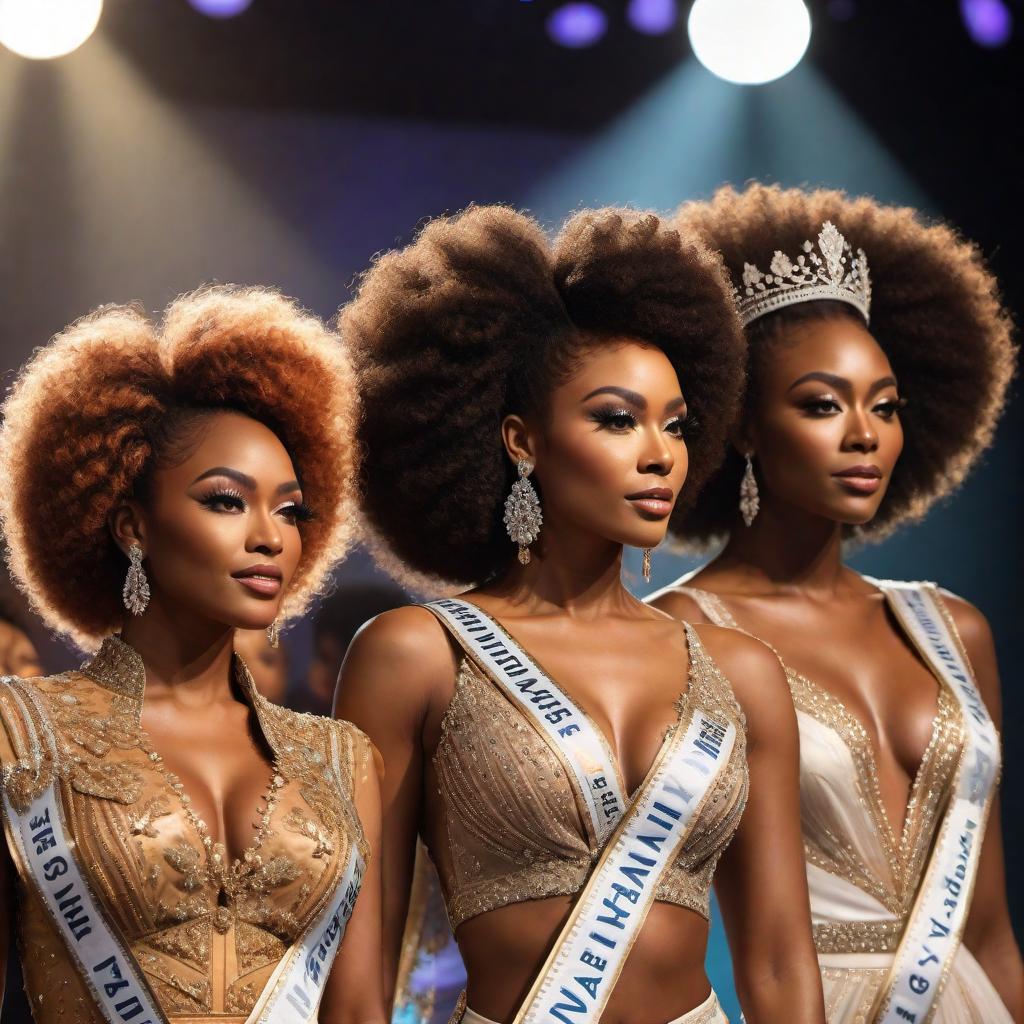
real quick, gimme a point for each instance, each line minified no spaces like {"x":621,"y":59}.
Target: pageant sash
{"x":936,"y":923}
{"x":574,"y":738}
{"x":45,"y":855}
{"x":576,"y":982}
{"x":293,"y":993}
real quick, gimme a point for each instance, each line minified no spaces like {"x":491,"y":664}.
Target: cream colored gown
{"x":862,"y":877}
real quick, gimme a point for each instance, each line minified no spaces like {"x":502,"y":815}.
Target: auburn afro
{"x":935,"y":311}
{"x":83,"y":421}
{"x":481,"y":317}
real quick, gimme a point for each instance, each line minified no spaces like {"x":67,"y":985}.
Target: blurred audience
{"x":18,"y":655}
{"x":268,"y":665}
{"x":335,"y":622}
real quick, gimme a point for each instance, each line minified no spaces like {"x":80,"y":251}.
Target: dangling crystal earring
{"x":522,"y":512}
{"x":647,"y":565}
{"x":274,"y":634}
{"x":136,"y":586}
{"x":750,"y":500}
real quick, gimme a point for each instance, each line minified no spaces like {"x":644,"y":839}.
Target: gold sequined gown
{"x":862,"y":877}
{"x":207,"y":934}
{"x":510,"y":829}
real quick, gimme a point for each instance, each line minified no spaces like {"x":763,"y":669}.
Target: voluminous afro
{"x":935,"y":311}
{"x":82,"y":429}
{"x":479,"y":318}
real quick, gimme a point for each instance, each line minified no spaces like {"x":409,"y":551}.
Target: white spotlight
{"x":41,"y":29}
{"x":749,"y":41}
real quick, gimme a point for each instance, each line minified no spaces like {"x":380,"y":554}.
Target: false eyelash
{"x":302,"y":512}
{"x":691,"y":425}
{"x":607,"y":415}
{"x":226,"y":495}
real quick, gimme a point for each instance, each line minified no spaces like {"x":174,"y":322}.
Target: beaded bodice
{"x":512,"y":829}
{"x":863,"y":876}
{"x":206,"y":931}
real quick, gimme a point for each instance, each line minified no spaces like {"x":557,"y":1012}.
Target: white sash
{"x":293,"y":993}
{"x":565,"y":726}
{"x":934,"y":930}
{"x":40,"y":844}
{"x":577,"y":980}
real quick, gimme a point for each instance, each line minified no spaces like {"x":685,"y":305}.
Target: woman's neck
{"x":786,"y":548}
{"x":571,"y":572}
{"x":185,"y":657}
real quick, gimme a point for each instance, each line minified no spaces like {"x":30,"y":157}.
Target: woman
{"x":879,"y":357}
{"x":183,"y":850}
{"x":576,"y":389}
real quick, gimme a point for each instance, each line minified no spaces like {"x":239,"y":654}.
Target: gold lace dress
{"x":206,"y":934}
{"x":863,"y":878}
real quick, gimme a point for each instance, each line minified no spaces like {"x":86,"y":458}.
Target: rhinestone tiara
{"x":832,"y":271}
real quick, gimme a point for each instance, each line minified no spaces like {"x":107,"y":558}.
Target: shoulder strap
{"x":935,"y":927}
{"x":573,"y":737}
{"x":710,"y":604}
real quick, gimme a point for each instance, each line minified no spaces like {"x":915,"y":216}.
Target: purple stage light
{"x":988,"y":22}
{"x":577,"y":25}
{"x":653,"y":17}
{"x":220,"y":8}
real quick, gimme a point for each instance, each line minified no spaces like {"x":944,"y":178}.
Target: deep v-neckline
{"x":216,"y":850}
{"x":118,"y":667}
{"x":680,"y":705}
{"x":857,"y":738}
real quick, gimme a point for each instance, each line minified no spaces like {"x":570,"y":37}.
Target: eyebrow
{"x":841,"y":383}
{"x":633,"y":397}
{"x":245,"y":480}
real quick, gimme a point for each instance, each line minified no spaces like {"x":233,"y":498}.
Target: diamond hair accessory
{"x":136,"y":586}
{"x":522,"y":512}
{"x":832,"y":271}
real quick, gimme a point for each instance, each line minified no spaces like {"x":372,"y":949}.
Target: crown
{"x":830,"y":272}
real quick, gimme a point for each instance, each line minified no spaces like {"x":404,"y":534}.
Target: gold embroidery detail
{"x":168,"y":897}
{"x":305,"y":826}
{"x":857,"y":936}
{"x":514,"y":831}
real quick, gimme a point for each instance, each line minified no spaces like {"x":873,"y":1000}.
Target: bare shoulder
{"x":752,"y":668}
{"x":675,"y":601}
{"x":971,"y":624}
{"x":403,"y":653}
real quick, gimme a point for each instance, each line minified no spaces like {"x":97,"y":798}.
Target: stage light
{"x":988,"y":22}
{"x":42,"y":29}
{"x":749,"y":42}
{"x":577,"y":25}
{"x":652,"y":17}
{"x":220,"y":8}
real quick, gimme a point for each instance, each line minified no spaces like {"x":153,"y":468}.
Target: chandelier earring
{"x":523,"y":517}
{"x":750,"y":499}
{"x":136,"y":587}
{"x":274,"y":634}
{"x":646,"y":568}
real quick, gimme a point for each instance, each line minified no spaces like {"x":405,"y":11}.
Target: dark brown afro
{"x":935,"y":311}
{"x":87,"y":420}
{"x":482,"y":317}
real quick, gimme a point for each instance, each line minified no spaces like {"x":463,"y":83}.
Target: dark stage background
{"x":291,"y":143}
